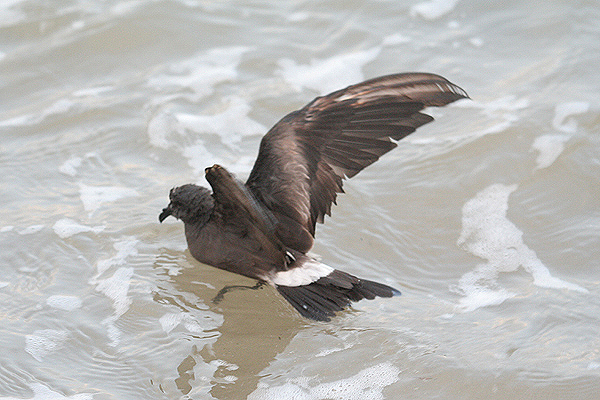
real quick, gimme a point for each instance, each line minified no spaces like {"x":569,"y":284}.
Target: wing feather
{"x":304,"y":158}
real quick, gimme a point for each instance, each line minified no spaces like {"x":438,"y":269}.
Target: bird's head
{"x":189,"y":203}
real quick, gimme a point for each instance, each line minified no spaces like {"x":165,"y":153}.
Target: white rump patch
{"x":311,"y":271}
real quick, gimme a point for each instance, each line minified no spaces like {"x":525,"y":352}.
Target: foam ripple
{"x":327,"y":75}
{"x":66,"y":227}
{"x":488,"y":233}
{"x":368,"y":384}
{"x":44,"y":342}
{"x":549,"y":148}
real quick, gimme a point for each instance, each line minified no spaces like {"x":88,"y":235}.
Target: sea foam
{"x":203,"y":71}
{"x":70,"y":166}
{"x":44,"y":342}
{"x":368,"y":384}
{"x":549,"y":148}
{"x":64,"y":302}
{"x":564,"y":111}
{"x":61,"y":106}
{"x":67,"y":227}
{"x":92,"y":197}
{"x":433,"y":9}
{"x":327,"y":75}
{"x":488,"y":233}
{"x":209,"y":321}
{"x":31,"y":229}
{"x":231,"y":124}
{"x":42,"y":392}
{"x":116,"y":287}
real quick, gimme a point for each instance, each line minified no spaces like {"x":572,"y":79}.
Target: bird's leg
{"x":217,"y":299}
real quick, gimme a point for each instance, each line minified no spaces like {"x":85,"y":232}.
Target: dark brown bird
{"x":264,"y":228}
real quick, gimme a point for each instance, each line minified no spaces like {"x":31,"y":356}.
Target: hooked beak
{"x":165,"y":213}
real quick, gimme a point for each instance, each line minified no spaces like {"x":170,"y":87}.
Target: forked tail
{"x":320,"y":300}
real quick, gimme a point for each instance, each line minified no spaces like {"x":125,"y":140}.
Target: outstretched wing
{"x":303,"y":159}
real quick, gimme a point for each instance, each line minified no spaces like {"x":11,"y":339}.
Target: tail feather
{"x":321,"y":299}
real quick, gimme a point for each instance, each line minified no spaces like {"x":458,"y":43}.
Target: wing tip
{"x":427,"y":88}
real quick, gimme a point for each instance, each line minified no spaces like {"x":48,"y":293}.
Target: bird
{"x":265,"y":227}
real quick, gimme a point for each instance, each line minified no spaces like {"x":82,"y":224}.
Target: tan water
{"x":487,"y":220}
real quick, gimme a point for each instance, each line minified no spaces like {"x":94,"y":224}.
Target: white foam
{"x":160,"y":127}
{"x":549,"y":148}
{"x":563,"y":111}
{"x":70,"y":166}
{"x":31,"y":229}
{"x":396,"y":39}
{"x":210,"y":321}
{"x":64,"y":302}
{"x":78,"y":25}
{"x":16,"y":121}
{"x":453,"y":24}
{"x":60,"y":106}
{"x":116,"y":288}
{"x":42,"y":392}
{"x":593,"y":365}
{"x":504,"y":105}
{"x":198,"y":155}
{"x":125,"y":7}
{"x":330,"y":74}
{"x":476,"y":41}
{"x":202,"y":72}
{"x":368,"y":384}
{"x":298,"y":16}
{"x":433,"y":9}
{"x":488,"y":234}
{"x":67,"y":227}
{"x":501,"y":113}
{"x":170,"y":321}
{"x":125,"y":247}
{"x":92,"y":91}
{"x":9,"y":14}
{"x":44,"y":342}
{"x":231,"y":124}
{"x":7,"y":228}
{"x":92,"y":197}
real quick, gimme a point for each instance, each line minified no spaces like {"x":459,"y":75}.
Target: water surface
{"x":487,"y":219}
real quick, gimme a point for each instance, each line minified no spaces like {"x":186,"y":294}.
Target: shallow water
{"x":487,"y":219}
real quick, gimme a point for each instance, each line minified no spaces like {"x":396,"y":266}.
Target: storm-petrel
{"x":264,"y":228}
